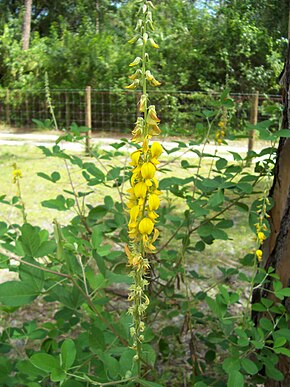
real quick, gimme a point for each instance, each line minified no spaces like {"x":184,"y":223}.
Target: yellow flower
{"x":261,"y":237}
{"x":134,"y":212}
{"x":148,"y":171}
{"x":146,"y":226}
{"x":140,"y":190}
{"x":152,"y":118}
{"x":153,"y":43}
{"x":259,"y":254}
{"x":153,"y":202}
{"x":17,"y":174}
{"x":156,"y":150}
{"x":154,"y":130}
{"x":152,"y":215}
{"x":135,"y":157}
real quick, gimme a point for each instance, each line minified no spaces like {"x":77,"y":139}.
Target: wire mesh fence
{"x":116,"y":111}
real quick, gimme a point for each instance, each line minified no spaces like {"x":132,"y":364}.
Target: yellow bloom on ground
{"x":259,"y":254}
{"x":146,"y":226}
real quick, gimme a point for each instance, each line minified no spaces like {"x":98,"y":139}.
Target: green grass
{"x":35,"y":189}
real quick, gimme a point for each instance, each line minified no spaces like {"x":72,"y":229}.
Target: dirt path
{"x":36,"y":139}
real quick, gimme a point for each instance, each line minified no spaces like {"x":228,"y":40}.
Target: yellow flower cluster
{"x":220,"y":134}
{"x":261,"y":227}
{"x":143,"y":200}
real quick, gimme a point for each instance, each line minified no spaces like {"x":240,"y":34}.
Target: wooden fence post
{"x":67,"y":109}
{"x":253,"y":120}
{"x":88,"y":117}
{"x":7,"y":103}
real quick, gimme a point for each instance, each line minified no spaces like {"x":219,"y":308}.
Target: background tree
{"x":26,"y":24}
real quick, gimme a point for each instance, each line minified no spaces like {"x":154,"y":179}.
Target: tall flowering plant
{"x":144,"y":195}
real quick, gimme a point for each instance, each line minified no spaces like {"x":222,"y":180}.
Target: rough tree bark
{"x":26,"y":25}
{"x":276,"y":249}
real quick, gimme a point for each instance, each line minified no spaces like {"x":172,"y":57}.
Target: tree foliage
{"x":204,"y":46}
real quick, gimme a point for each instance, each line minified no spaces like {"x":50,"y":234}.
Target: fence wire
{"x":116,"y":111}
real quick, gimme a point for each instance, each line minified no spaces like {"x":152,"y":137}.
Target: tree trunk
{"x":26,"y":25}
{"x":276,"y":249}
{"x":97,"y":16}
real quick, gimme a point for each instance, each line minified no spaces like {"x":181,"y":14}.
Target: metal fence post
{"x":7,"y":103}
{"x":253,"y":120}
{"x":88,"y":118}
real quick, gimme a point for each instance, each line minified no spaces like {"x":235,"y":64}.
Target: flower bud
{"x":146,"y":226}
{"x":153,"y":43}
{"x":153,"y":202}
{"x":135,"y":62}
{"x":148,"y":171}
{"x":156,"y":150}
{"x":140,"y":190}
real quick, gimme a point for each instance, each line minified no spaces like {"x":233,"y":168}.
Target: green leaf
{"x":216,"y":199}
{"x":111,"y":365}
{"x":285,"y":292}
{"x":68,"y":353}
{"x":199,"y":246}
{"x":54,"y":177}
{"x":282,"y":133}
{"x":97,"y":237}
{"x":221,"y":164}
{"x":97,"y":213}
{"x":249,"y":366}
{"x":282,"y":351}
{"x":245,"y":187}
{"x":57,"y":375}
{"x":225,"y":223}
{"x":266,"y":324}
{"x":44,"y":361}
{"x":279,"y":342}
{"x":94,"y":171}
{"x":231,"y":364}
{"x":113,"y":173}
{"x":126,"y":360}
{"x":273,"y":373}
{"x":205,"y":229}
{"x":149,"y":354}
{"x":96,"y":281}
{"x":30,"y":239}
{"x":109,"y":202}
{"x":236,"y":379}
{"x":259,"y":307}
{"x":96,"y":340}
{"x":220,"y":234}
{"x":31,"y":275}
{"x":17,"y":293}
{"x":57,"y":204}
